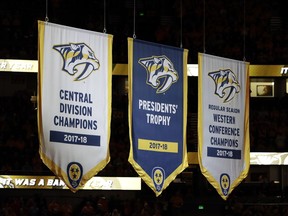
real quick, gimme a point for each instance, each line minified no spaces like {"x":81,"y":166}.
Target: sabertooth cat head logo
{"x":161,"y":73}
{"x":78,"y":57}
{"x":226,"y":84}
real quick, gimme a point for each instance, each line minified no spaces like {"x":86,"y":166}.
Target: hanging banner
{"x":74,"y":101}
{"x":223,"y":121}
{"x":157,"y":112}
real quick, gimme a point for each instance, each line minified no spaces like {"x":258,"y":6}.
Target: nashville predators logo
{"x":225,"y":183}
{"x":158,"y":178}
{"x":161,"y":73}
{"x":226,"y":84}
{"x":78,"y":58}
{"x":74,"y":171}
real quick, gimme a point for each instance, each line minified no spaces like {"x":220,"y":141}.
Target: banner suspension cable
{"x":134,"y":20}
{"x":244,"y":31}
{"x":104,"y":20}
{"x":181,"y":26}
{"x":46,"y":17}
{"x":204,"y":27}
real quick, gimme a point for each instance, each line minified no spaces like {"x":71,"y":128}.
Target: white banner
{"x":223,"y":121}
{"x":74,"y":104}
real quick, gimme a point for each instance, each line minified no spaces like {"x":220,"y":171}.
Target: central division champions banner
{"x":223,"y":121}
{"x":157,"y":112}
{"x":74,"y":104}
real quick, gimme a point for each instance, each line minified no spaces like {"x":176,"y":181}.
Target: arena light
{"x":192,"y":69}
{"x":200,"y":207}
{"x":14,"y":65}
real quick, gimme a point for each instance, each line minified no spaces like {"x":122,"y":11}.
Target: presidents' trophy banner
{"x":157,"y":112}
{"x":223,"y":121}
{"x":74,"y":101}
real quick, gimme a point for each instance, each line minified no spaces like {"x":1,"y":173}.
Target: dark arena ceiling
{"x":238,"y":29}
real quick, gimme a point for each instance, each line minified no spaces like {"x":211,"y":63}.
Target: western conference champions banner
{"x":157,"y":112}
{"x":223,"y":121}
{"x":74,"y":104}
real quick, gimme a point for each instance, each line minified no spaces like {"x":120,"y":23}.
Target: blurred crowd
{"x":256,"y":31}
{"x":268,"y":125}
{"x":174,"y":202}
